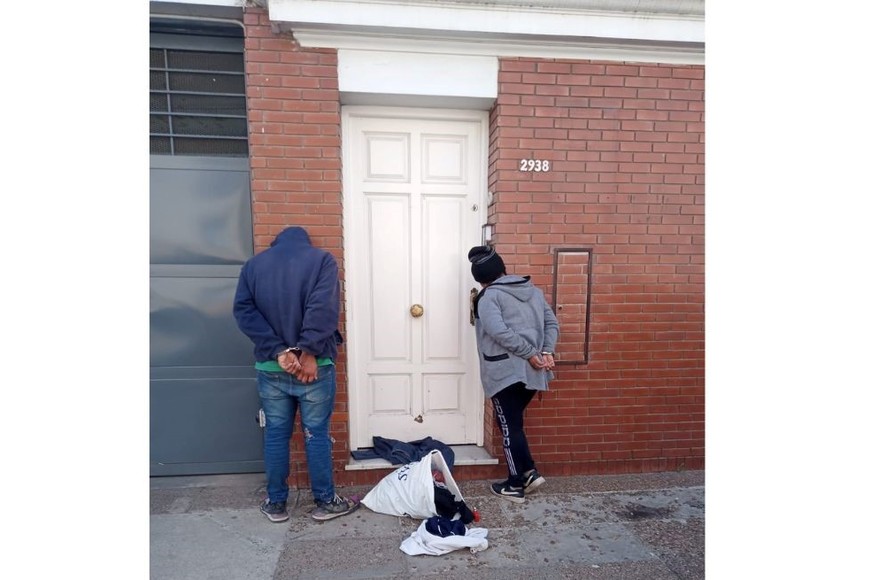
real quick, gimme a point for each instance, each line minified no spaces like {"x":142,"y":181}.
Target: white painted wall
{"x":471,"y":80}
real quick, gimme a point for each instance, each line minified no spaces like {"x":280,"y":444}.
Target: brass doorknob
{"x":416,"y":311}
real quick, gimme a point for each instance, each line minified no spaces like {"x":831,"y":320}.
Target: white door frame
{"x":351,"y":262}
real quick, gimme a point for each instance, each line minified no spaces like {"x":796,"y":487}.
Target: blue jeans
{"x":280,"y":396}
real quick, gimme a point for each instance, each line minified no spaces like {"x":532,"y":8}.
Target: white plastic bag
{"x":410,"y":489}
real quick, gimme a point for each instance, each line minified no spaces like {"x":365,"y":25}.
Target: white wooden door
{"x":414,"y":182}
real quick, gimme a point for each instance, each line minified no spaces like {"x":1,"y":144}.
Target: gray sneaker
{"x":339,"y":506}
{"x":276,"y":512}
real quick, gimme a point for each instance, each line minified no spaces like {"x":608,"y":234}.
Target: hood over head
{"x":294,"y":235}
{"x":520,"y":287}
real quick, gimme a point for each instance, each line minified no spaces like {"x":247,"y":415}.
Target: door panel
{"x":192,"y":323}
{"x":389,"y":276}
{"x":413,"y":190}
{"x":204,"y":426}
{"x":203,"y":392}
{"x":442,"y":221}
{"x":202,"y":196}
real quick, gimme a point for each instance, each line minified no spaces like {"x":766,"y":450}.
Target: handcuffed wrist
{"x":294,"y":349}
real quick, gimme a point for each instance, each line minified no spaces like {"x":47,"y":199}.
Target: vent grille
{"x":198,"y":103}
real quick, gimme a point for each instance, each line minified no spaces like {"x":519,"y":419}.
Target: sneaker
{"x":276,"y":512}
{"x":339,"y":506}
{"x":504,"y":490}
{"x":533,"y":481}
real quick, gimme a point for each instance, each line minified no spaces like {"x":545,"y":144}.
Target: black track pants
{"x":509,"y":405}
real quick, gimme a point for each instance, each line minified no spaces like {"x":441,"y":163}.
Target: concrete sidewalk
{"x":644,"y":527}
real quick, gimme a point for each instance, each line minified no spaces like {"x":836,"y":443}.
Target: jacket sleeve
{"x":320,"y":316}
{"x":551,"y":328}
{"x":492,"y":321}
{"x":251,"y":321}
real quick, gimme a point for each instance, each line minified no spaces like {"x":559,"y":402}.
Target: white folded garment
{"x":424,"y":542}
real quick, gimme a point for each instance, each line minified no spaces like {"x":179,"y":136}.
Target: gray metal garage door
{"x":203,"y":393}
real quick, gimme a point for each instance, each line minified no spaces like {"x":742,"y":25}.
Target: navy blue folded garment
{"x":402,"y":452}
{"x":443,"y":527}
{"x":363,"y":454}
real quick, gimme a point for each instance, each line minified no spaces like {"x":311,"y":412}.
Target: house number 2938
{"x":534,"y":165}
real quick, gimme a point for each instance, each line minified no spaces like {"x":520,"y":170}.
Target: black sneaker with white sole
{"x":504,"y":490}
{"x":533,"y":481}
{"x":276,"y":512}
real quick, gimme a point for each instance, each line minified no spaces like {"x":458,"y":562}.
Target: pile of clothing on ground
{"x":426,"y":490}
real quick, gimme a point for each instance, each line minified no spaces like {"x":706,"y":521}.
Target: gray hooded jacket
{"x":513,"y":323}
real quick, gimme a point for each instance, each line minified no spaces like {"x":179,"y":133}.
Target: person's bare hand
{"x":549,"y":361}
{"x":308,"y":368}
{"x":537,"y":362}
{"x":289,"y":363}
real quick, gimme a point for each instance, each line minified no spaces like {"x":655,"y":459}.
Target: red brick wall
{"x":295,"y":140}
{"x":626,"y":144}
{"x":626,"y":147}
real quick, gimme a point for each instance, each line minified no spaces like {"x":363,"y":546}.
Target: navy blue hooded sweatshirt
{"x":288,"y":296}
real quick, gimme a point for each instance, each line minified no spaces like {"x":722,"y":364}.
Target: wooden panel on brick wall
{"x":572,"y":300}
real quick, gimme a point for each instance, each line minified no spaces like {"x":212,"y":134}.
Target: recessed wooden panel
{"x":389,"y":274}
{"x":572,"y":284}
{"x":444,"y":159}
{"x":387,"y":157}
{"x":391,"y":394}
{"x":443,"y":257}
{"x":441,"y":392}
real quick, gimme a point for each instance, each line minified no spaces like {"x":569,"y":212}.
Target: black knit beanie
{"x":486,"y":264}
